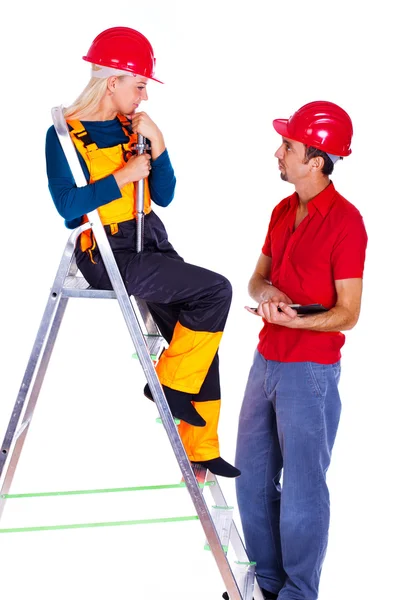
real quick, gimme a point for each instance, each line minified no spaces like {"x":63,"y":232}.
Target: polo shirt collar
{"x":322,"y":202}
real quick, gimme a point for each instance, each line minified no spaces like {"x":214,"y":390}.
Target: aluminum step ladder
{"x":240,"y":581}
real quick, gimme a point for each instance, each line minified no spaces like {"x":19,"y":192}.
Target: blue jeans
{"x":288,"y":422}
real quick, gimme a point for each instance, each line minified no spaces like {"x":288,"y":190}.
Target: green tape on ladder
{"x":152,"y":356}
{"x":105,"y":524}
{"x":206,"y":547}
{"x":159,"y":420}
{"x":142,"y":488}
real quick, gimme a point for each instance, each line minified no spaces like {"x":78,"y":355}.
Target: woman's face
{"x":128,"y":93}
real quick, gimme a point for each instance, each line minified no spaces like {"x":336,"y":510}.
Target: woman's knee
{"x":224,"y":288}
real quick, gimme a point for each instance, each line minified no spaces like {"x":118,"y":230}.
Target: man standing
{"x":314,"y":252}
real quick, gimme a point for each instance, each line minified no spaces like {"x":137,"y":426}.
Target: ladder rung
{"x":78,"y":287}
{"x":76,"y":282}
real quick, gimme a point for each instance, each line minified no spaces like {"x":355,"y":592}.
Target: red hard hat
{"x":321,"y":124}
{"x":125,"y":49}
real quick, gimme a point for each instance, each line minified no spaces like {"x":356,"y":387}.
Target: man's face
{"x":291,"y":157}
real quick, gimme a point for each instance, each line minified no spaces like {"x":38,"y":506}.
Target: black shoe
{"x":267,"y":595}
{"x":219,"y":466}
{"x":180,"y":404}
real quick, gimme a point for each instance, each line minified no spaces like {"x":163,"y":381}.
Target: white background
{"x":229,"y":68}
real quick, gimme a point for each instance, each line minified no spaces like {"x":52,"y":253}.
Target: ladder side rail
{"x":235,"y":538}
{"x":147,"y":364}
{"x":18,"y":440}
{"x":165,"y":413}
{"x":35,"y":371}
{"x":52,"y":303}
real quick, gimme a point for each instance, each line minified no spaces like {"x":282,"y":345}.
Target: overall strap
{"x":82,"y":137}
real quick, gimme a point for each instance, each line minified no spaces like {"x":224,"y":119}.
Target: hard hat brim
{"x":281,"y":126}
{"x":127,"y":71}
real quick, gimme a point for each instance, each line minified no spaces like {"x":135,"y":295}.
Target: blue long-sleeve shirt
{"x":73,"y":202}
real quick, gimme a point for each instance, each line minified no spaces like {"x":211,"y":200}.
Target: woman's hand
{"x":141,"y":123}
{"x":137,"y":168}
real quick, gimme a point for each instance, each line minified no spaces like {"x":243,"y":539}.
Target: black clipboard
{"x":308,"y":309}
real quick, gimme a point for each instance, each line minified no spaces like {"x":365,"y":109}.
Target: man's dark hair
{"x":312,"y":152}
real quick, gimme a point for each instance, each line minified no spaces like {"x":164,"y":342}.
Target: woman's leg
{"x":190,"y":306}
{"x":201,"y":297}
{"x":201,"y":444}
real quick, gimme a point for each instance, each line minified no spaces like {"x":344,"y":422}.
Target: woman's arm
{"x":73,"y":202}
{"x":162,"y":180}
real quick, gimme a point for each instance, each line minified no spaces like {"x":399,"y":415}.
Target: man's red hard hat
{"x":321,"y":124}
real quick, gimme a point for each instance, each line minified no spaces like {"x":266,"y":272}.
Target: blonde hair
{"x":89,"y":98}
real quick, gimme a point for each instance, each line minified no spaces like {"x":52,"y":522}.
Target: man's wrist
{"x":266,"y":293}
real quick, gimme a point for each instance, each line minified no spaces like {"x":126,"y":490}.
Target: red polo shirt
{"x":329,"y":244}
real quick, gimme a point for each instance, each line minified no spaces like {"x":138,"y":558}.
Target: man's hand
{"x":272,"y":294}
{"x":341,"y":317}
{"x":260,"y":287}
{"x":279,"y":313}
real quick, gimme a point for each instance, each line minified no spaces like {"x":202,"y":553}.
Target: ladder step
{"x":76,"y":282}
{"x":223,"y":518}
{"x":155,"y":344}
{"x":244,"y":573}
{"x":78,"y":287}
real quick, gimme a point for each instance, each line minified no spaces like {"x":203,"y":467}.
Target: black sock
{"x":180,"y":404}
{"x":219,"y":466}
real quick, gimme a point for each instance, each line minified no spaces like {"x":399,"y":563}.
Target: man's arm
{"x":260,"y":288}
{"x":343,"y":316}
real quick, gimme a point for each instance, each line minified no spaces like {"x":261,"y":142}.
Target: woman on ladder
{"x":189,"y":304}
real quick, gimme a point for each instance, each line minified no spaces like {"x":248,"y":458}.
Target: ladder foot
{"x":180,"y":404}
